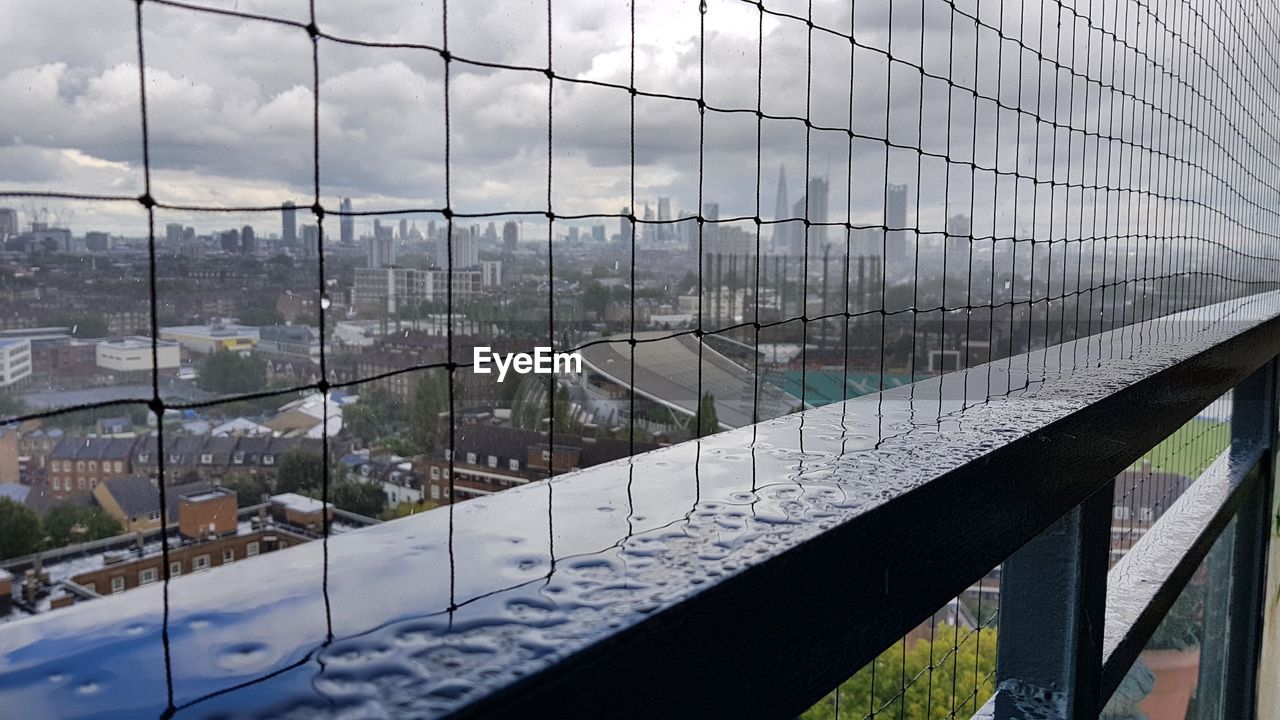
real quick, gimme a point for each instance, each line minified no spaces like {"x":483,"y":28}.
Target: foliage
{"x":11,"y":406}
{"x":430,"y":399}
{"x":374,"y":416}
{"x":357,"y":497}
{"x":405,"y":509}
{"x":595,"y":299}
{"x":1183,"y":626}
{"x":565,"y":422}
{"x":299,"y":469}
{"x":20,"y":532}
{"x":65,"y":525}
{"x":248,"y":488}
{"x":961,"y":679}
{"x":708,"y":423}
{"x":87,"y":326}
{"x":232,"y":373}
{"x":259,"y":312}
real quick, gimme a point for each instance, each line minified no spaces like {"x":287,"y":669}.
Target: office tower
{"x":665,"y":230}
{"x":97,"y":241}
{"x":188,"y":235}
{"x":510,"y":234}
{"x":464,"y":248}
{"x":625,"y":228}
{"x":381,"y":250}
{"x":597,"y":233}
{"x":310,"y":240}
{"x":8,"y":222}
{"x":811,"y":206}
{"x":710,"y":228}
{"x":897,"y":243}
{"x":289,"y":223}
{"x":248,"y":240}
{"x":404,"y":229}
{"x":781,"y":208}
{"x":346,"y":224}
{"x":491,"y":233}
{"x":573,"y":233}
{"x":229,"y":240}
{"x":647,"y":232}
{"x":172,"y":234}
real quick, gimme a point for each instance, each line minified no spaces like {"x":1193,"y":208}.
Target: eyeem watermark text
{"x":540,"y":362}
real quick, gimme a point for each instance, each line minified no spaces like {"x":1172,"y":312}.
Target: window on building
{"x":119,"y":466}
{"x":144,"y":457}
{"x":435,"y":492}
{"x":200,"y":562}
{"x":93,"y":466}
{"x":117,"y":585}
{"x":493,"y":461}
{"x":435,"y":473}
{"x":206,"y":458}
{"x":471,"y":458}
{"x":546,"y":454}
{"x":268,"y":459}
{"x":146,"y":577}
{"x":228,"y":555}
{"x":175,"y":568}
{"x":513,"y":464}
{"x":251,"y":549}
{"x":238,"y":458}
{"x":80,"y":482}
{"x":154,"y":516}
{"x":80,"y":465}
{"x":57,"y":484}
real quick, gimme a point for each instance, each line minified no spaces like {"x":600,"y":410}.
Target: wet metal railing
{"x":742,"y":575}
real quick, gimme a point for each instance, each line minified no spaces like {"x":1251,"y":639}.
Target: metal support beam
{"x":1052,"y":604}
{"x":1253,"y":418}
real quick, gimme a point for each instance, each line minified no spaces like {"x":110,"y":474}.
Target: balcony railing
{"x":745,"y":574}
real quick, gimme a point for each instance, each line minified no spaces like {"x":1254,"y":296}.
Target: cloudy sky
{"x":230,"y":107}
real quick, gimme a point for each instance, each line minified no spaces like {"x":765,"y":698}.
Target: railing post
{"x":1253,"y":418}
{"x":1052,"y":601}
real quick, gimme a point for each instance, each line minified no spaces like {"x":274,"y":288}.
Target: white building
{"x":15,"y":361}
{"x":204,"y":339}
{"x":133,"y":354}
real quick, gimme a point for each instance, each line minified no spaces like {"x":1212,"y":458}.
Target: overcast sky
{"x":230,"y":107}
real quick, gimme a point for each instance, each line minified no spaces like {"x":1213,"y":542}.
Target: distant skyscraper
{"x":710,"y":229}
{"x":647,"y":232}
{"x":665,"y":230}
{"x":8,"y":222}
{"x":347,"y":224}
{"x":97,"y":241}
{"x":510,"y":234}
{"x":813,"y":207}
{"x":895,"y":217}
{"x":289,"y":222}
{"x":625,"y":228}
{"x":597,"y":233}
{"x":404,"y":229}
{"x":230,"y":241}
{"x":310,"y":240}
{"x":381,"y":250}
{"x":781,"y":210}
{"x":248,"y":240}
{"x":465,"y":252}
{"x":172,"y":234}
{"x":573,"y":233}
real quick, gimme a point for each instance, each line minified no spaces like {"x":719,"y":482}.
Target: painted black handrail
{"x":742,"y":575}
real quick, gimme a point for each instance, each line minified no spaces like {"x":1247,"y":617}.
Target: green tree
{"x":708,"y":423}
{"x":357,"y":497}
{"x":405,"y":509}
{"x":20,"y":532}
{"x":950,"y":677}
{"x":229,"y":372}
{"x":11,"y":406}
{"x":430,"y":399}
{"x":248,"y":488}
{"x":595,"y":298}
{"x":259,"y":312}
{"x":299,"y":470}
{"x":65,"y":525}
{"x":373,"y":417}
